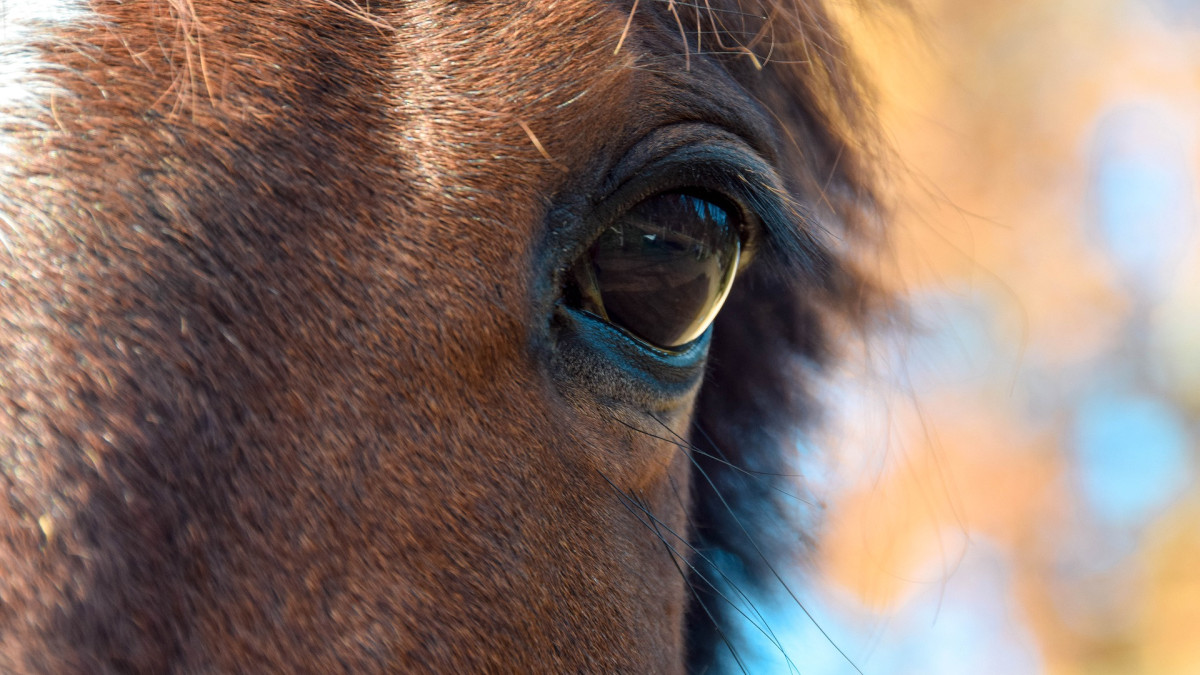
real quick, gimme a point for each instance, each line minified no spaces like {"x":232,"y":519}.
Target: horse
{"x":424,"y":336}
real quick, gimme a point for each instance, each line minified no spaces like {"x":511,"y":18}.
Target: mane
{"x":778,"y":331}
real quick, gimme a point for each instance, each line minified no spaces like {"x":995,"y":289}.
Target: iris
{"x":662,"y":270}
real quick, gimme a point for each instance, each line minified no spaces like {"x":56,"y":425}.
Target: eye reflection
{"x":663,"y":269}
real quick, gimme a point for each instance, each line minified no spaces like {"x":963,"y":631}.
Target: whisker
{"x":687,"y":52}
{"x":696,"y":594}
{"x":722,"y":10}
{"x":628,"y":24}
{"x":749,"y":472}
{"x":763,"y":556}
{"x":626,"y":500}
{"x":764,"y":628}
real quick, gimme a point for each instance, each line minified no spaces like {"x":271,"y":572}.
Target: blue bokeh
{"x":1133,"y":456}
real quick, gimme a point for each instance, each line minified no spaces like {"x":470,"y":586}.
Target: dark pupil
{"x":663,"y":269}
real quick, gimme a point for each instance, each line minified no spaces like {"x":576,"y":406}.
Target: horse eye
{"x":663,"y":269}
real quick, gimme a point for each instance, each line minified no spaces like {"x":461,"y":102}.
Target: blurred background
{"x":1012,"y":487}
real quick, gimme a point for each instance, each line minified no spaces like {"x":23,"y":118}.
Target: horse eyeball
{"x":663,"y":269}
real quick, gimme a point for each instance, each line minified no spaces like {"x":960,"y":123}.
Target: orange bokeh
{"x":999,"y":115}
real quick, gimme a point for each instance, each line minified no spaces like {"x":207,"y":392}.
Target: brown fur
{"x":276,"y":388}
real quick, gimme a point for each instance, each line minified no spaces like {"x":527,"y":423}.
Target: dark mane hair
{"x":779,"y":327}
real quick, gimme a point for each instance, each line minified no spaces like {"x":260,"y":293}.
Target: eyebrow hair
{"x":805,"y":112}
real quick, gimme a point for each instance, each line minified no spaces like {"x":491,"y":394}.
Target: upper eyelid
{"x":689,"y":154}
{"x":712,"y":159}
{"x":665,"y":143}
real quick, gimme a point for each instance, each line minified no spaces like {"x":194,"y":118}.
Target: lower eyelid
{"x":592,"y":351}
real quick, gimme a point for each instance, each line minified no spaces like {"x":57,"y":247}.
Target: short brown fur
{"x":274,"y":395}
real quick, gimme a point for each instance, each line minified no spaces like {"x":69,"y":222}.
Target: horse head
{"x":409,"y":336}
